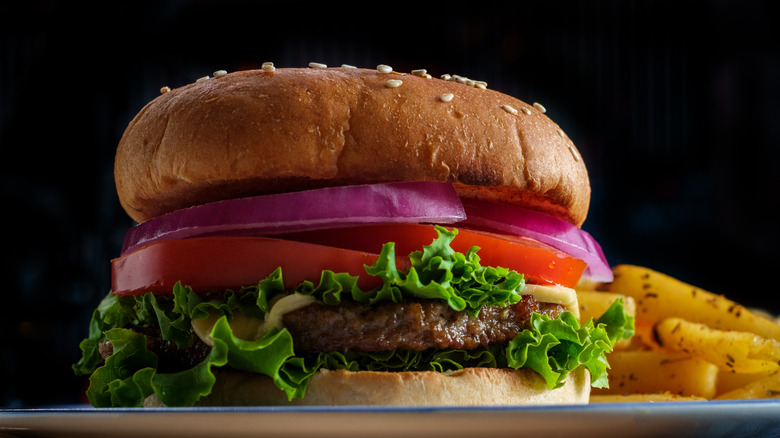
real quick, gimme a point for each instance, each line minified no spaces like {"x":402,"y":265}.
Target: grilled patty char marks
{"x":408,"y":325}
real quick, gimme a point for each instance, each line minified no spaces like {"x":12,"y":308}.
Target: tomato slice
{"x":539,"y":263}
{"x":209,"y":264}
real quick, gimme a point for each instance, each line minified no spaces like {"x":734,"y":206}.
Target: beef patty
{"x":408,"y":325}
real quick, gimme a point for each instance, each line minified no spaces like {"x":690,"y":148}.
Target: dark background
{"x":674,"y":105}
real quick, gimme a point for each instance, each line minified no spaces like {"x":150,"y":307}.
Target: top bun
{"x":255,"y":132}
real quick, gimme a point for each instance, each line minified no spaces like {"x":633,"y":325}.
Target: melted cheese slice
{"x":251,"y":329}
{"x":564,"y":296}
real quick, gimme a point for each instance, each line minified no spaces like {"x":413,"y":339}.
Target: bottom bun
{"x":466,"y":387}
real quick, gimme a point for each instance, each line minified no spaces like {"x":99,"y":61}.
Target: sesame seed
{"x":164,"y":90}
{"x":574,"y":153}
{"x":420,"y":72}
{"x":509,"y":109}
{"x":393,"y":83}
{"x":446,"y":97}
{"x":267,"y":63}
{"x":317,"y":65}
{"x":219,"y":73}
{"x":526,"y":110}
{"x":382,"y":68}
{"x":540,"y":107}
{"x":482,"y":85}
{"x":202,"y":79}
{"x":426,"y":76}
{"x":561,"y":133}
{"x":269,"y":67}
{"x":347,"y":66}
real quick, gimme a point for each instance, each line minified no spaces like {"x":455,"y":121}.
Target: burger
{"x":346,"y":236}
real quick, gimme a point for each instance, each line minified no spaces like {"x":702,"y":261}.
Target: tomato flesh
{"x":210,"y":264}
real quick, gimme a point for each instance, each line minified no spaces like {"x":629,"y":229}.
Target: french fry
{"x":766,"y":387}
{"x":741,"y":352}
{"x":644,"y":337}
{"x":689,"y":344}
{"x":729,"y":380}
{"x":659,"y":296}
{"x":646,"y":372}
{"x":593,"y":303}
{"x":587,"y":284}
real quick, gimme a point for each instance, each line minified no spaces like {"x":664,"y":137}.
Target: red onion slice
{"x":400,"y":202}
{"x":559,"y":234}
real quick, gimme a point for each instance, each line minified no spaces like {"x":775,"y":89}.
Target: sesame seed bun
{"x":259,"y":132}
{"x":466,"y":387}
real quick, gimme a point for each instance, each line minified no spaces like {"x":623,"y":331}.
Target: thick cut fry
{"x":741,"y":352}
{"x":659,"y":296}
{"x":593,"y":303}
{"x":645,"y":372}
{"x":729,"y":380}
{"x":644,"y":337}
{"x":586,"y":284}
{"x":767,"y":387}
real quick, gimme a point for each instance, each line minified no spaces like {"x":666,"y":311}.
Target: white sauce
{"x":251,"y":329}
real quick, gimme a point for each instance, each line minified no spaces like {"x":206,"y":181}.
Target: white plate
{"x":707,"y":419}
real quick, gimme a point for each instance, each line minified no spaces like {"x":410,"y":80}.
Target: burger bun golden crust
{"x":254,"y":132}
{"x":466,"y":387}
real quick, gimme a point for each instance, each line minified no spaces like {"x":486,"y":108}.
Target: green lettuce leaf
{"x":129,"y":375}
{"x":186,"y":387}
{"x":125,"y":379}
{"x":552,"y":347}
{"x":263,"y":356}
{"x":109,"y":314}
{"x":437,"y":272}
{"x":555,"y":347}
